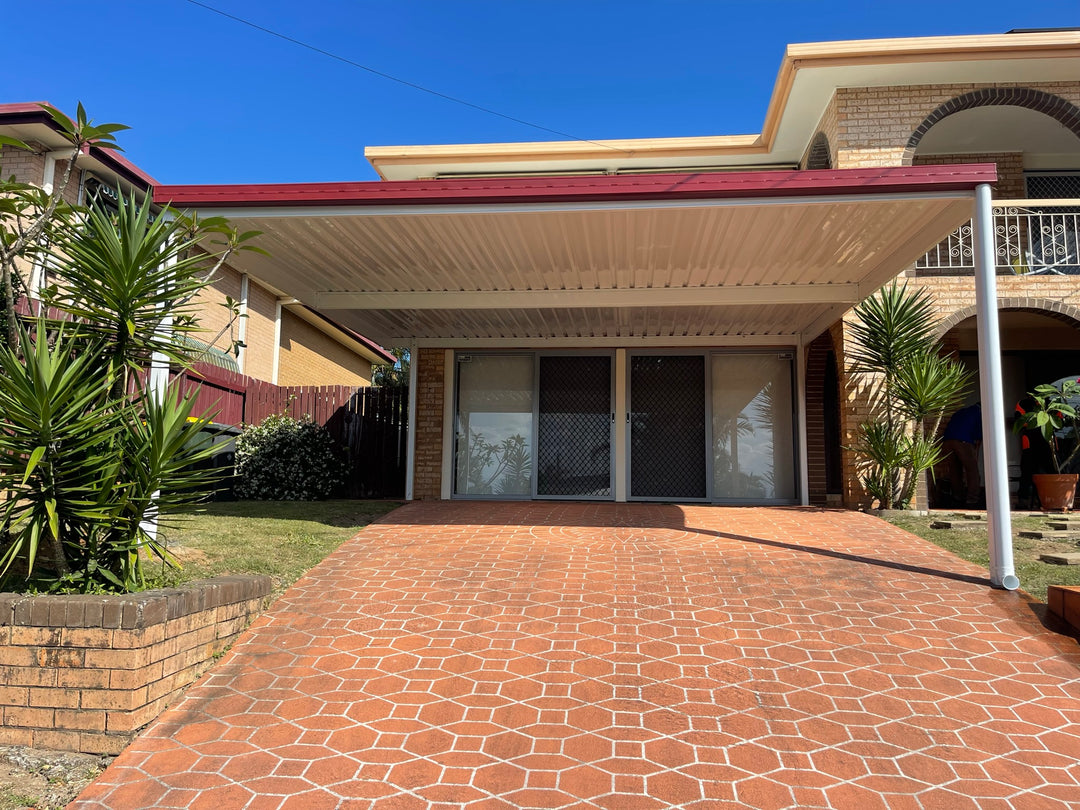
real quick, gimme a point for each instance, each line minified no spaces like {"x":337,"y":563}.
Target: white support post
{"x":999,"y":518}
{"x":621,"y":488}
{"x":800,"y":415}
{"x":410,"y":443}
{"x":449,"y":411}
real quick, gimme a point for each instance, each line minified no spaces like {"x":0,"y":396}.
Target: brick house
{"x":666,"y":318}
{"x":285,"y":341}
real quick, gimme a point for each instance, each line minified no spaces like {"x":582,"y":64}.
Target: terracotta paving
{"x":532,"y":655}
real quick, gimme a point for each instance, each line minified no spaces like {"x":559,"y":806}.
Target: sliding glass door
{"x":573,"y":430}
{"x":705,"y":425}
{"x":667,"y":426}
{"x":494,"y":436}
{"x":753,"y":427}
{"x":534,"y":426}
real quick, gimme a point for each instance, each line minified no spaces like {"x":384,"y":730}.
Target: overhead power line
{"x":389,"y":77}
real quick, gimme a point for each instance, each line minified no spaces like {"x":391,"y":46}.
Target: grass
{"x":970,"y":544}
{"x":280,"y":538}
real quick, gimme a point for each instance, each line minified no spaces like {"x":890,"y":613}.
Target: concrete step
{"x":1061,"y":559}
{"x":958,"y":523}
{"x":1050,"y":534}
{"x":1064,"y":524}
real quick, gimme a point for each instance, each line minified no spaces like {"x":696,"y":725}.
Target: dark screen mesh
{"x":667,"y":426}
{"x":573,"y":443}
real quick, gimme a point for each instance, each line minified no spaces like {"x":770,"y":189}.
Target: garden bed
{"x":84,"y":673}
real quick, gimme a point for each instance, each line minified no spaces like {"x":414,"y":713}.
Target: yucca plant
{"x":895,"y":332}
{"x":89,"y":455}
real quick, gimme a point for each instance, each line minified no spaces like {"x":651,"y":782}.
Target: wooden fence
{"x":372,"y":423}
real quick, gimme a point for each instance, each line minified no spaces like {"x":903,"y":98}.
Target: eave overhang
{"x":750,"y":256}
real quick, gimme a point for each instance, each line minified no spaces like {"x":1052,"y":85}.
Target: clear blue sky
{"x":213,"y":101}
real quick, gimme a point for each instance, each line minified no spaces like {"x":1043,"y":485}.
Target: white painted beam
{"x":742,"y":295}
{"x":606,"y":342}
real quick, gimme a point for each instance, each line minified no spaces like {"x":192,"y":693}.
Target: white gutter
{"x":998,"y":516}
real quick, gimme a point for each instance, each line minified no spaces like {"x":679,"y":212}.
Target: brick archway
{"x":1066,"y":313}
{"x":819,"y":156}
{"x":1062,"y":111}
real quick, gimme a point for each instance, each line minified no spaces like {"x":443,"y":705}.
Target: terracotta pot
{"x":1056,"y":492}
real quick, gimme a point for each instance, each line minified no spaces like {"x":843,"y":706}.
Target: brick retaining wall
{"x":84,"y":673}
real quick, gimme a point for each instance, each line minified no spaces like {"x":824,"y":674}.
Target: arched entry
{"x":1040,"y":343}
{"x":1064,"y":112}
{"x":819,"y":155}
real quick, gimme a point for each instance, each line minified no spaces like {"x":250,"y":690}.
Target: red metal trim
{"x":714,"y":185}
{"x":32,"y":113}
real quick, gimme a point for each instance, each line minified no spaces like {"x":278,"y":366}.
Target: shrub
{"x":286,"y":459}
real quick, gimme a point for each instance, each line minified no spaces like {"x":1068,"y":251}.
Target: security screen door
{"x":667,"y":415}
{"x":573,"y":431}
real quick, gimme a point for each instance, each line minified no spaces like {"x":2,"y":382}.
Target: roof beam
{"x":740,"y":295}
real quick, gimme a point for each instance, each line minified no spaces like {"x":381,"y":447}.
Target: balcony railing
{"x":1030,"y":237}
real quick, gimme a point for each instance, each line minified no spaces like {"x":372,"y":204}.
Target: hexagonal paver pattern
{"x":548,"y":655}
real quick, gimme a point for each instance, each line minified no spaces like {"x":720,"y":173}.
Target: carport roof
{"x":747,"y":255}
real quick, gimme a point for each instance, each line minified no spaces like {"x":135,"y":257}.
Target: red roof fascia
{"x":713,"y":185}
{"x":32,"y":113}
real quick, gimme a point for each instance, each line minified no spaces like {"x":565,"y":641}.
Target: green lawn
{"x":970,"y":544}
{"x":280,"y":538}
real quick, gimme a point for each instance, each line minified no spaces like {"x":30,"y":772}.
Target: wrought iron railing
{"x":1030,"y":237}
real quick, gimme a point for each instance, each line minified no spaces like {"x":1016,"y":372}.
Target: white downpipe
{"x":277,"y":341}
{"x":241,"y":327}
{"x":999,"y":518}
{"x":800,"y":406}
{"x":48,"y":183}
{"x":48,"y":174}
{"x":410,"y":444}
{"x":158,"y":383}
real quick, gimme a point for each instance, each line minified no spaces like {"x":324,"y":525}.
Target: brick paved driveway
{"x":534,"y":655}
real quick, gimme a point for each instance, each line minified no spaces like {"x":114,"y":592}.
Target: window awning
{"x":746,"y":255}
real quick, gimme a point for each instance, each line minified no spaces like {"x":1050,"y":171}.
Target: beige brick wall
{"x":259,"y":354}
{"x":875,"y":123}
{"x":431,"y":373}
{"x":871,"y":127}
{"x":309,"y":357}
{"x":1010,"y":167}
{"x":84,"y":673}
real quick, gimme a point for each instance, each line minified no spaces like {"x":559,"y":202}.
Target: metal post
{"x":410,"y":442}
{"x":999,"y":519}
{"x":800,"y":413}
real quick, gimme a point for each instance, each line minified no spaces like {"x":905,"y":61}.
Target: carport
{"x":672,"y":279}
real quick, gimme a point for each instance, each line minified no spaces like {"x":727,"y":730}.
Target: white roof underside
{"x":735,"y":268}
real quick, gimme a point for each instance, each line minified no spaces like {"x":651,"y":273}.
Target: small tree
{"x":913,"y":388}
{"x":87,"y":452}
{"x":392,"y":376}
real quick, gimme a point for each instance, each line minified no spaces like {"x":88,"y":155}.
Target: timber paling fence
{"x":371,"y":422}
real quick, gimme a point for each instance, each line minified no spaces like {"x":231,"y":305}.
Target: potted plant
{"x":1052,"y":414}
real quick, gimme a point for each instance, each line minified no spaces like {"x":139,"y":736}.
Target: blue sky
{"x":213,"y":101}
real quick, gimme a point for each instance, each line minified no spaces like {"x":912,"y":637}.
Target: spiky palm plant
{"x":895,"y":332}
